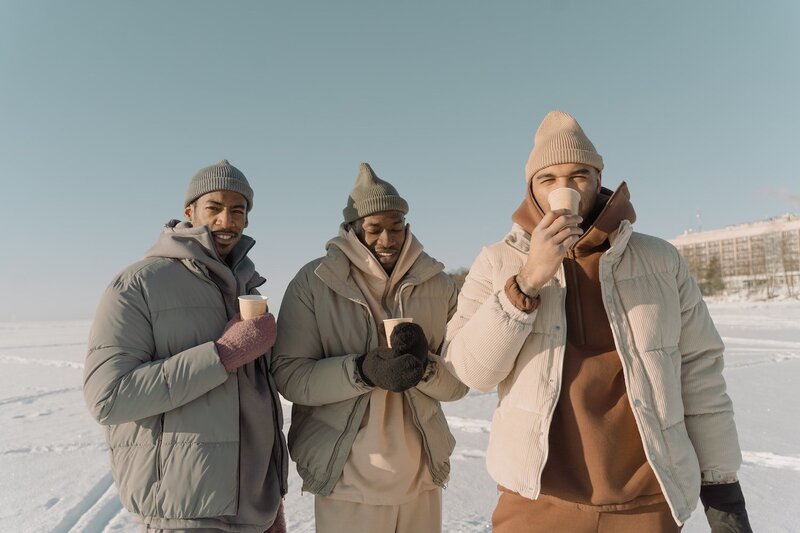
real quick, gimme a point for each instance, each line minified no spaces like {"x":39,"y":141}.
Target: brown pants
{"x":423,"y":514}
{"x":517,"y":514}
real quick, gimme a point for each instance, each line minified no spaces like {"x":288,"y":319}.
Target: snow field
{"x":54,"y":473}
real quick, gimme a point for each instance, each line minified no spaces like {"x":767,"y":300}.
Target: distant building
{"x":759,"y":257}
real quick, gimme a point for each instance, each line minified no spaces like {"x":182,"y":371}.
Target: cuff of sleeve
{"x":521,"y":301}
{"x":513,"y":312}
{"x":430,"y":371}
{"x":355,"y":375}
{"x":711,"y":477}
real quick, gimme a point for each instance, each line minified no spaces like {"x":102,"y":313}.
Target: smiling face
{"x":582,"y":178}
{"x":383,"y":234}
{"x":225,"y":214}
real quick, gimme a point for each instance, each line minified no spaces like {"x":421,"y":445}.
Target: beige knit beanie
{"x":560,"y":139}
{"x":371,"y":195}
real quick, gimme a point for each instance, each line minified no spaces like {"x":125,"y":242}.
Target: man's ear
{"x":246,"y":220}
{"x":187,"y":211}
{"x":599,"y":180}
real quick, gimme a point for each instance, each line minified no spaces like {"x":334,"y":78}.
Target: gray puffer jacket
{"x":324,"y":325}
{"x":154,"y":380}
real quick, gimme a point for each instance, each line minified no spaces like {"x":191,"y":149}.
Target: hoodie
{"x":387,"y":464}
{"x":596,"y":460}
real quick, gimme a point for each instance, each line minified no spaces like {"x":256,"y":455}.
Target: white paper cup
{"x":564,"y":198}
{"x":389,"y":325}
{"x":252,"y":305}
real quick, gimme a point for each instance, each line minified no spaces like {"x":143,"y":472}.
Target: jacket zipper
{"x":338,"y":444}
{"x":557,"y":385}
{"x":607,"y":303}
{"x":278,"y":435}
{"x":436,"y":479}
{"x":429,"y":457}
{"x":360,"y":400}
{"x":574,"y":294}
{"x":159,"y":470}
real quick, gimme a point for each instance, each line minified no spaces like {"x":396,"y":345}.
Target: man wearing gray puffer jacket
{"x":182,"y":385}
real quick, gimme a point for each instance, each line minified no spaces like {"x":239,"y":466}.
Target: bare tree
{"x":458,"y":276}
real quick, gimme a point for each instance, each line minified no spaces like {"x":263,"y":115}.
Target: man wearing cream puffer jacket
{"x":612,"y":411}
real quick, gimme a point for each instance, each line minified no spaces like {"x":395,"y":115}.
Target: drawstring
{"x":400,"y":299}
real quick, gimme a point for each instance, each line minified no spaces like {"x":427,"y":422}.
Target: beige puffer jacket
{"x":324,"y":324}
{"x":670,"y":350}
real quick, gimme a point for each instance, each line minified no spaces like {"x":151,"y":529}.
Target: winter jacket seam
{"x":185,"y":307}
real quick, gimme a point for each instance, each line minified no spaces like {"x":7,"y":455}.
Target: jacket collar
{"x":195,"y":248}
{"x":334,"y":271}
{"x":612,"y":219}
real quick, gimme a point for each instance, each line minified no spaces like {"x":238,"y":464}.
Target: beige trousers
{"x":423,"y":514}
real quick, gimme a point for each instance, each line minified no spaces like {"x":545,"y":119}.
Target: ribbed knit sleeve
{"x":708,"y":409}
{"x":442,"y":385}
{"x":487,"y":332}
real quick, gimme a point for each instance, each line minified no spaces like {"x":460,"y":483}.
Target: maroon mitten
{"x":246,"y":340}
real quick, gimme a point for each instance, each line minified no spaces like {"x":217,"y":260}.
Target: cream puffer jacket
{"x":672,"y":358}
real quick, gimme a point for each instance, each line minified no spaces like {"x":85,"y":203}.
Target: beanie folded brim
{"x":221,"y":176}
{"x":370,"y":206}
{"x":209,"y":184}
{"x":560,"y":157}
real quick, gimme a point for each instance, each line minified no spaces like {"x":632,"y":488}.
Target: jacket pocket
{"x":134,"y":463}
{"x":515,"y":454}
{"x":683,"y":466}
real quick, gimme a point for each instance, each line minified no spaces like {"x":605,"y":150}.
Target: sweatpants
{"x":423,"y":514}
{"x":517,"y":514}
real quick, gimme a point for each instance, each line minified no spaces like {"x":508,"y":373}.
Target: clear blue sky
{"x":107,"y":109}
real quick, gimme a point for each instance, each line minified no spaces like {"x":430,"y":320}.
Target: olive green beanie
{"x":371,"y":195}
{"x":220,"y":177}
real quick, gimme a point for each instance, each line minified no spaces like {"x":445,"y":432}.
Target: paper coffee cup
{"x":252,"y":305}
{"x":389,"y":325}
{"x":564,"y":198}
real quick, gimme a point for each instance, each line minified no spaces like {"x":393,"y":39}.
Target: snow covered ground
{"x":54,"y":472}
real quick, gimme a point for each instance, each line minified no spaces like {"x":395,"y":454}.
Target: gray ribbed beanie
{"x":371,"y":195}
{"x":220,"y":177}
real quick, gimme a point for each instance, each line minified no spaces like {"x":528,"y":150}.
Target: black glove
{"x":388,"y":369}
{"x":725,"y":511}
{"x":408,"y":337}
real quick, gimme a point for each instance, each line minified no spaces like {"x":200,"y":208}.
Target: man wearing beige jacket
{"x":612,"y":411}
{"x":368,"y":433}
